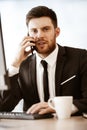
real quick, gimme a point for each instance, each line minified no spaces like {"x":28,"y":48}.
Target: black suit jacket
{"x":70,"y":62}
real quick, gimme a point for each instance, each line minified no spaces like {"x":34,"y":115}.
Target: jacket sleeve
{"x":10,"y":98}
{"x":81,"y":103}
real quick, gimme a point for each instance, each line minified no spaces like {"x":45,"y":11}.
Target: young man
{"x":67,"y":67}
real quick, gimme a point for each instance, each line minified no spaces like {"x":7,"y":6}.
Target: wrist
{"x":16,"y":63}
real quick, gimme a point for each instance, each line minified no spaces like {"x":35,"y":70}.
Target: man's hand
{"x":40,"y":108}
{"x":22,"y":54}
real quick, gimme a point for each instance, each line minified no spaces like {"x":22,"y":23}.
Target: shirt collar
{"x":50,"y":59}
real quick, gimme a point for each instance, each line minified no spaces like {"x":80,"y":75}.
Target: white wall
{"x":72,"y":16}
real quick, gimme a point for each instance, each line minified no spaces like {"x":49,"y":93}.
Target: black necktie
{"x":45,"y":81}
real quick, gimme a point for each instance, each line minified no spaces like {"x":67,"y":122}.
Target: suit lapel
{"x":59,"y":69}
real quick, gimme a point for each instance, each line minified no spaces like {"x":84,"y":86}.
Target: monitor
{"x":4,"y":80}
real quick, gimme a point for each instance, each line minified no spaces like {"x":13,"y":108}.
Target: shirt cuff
{"x":13,"y":71}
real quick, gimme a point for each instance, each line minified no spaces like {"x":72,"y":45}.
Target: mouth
{"x":41,"y":43}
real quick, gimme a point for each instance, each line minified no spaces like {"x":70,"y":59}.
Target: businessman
{"x":65,"y":68}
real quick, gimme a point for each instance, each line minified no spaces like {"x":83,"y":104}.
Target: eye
{"x":45,"y":28}
{"x":34,"y":31}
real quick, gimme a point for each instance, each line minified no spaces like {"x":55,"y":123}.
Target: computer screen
{"x":4,"y":80}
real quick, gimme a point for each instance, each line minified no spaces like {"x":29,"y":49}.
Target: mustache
{"x":39,"y":41}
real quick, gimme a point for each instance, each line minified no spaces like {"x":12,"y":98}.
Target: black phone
{"x":32,"y":47}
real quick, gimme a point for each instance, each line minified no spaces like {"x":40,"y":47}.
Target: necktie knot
{"x":44,"y":63}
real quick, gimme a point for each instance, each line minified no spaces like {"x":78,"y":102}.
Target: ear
{"x":57,"y":31}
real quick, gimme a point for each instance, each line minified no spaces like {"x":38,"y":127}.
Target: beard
{"x":45,"y":47}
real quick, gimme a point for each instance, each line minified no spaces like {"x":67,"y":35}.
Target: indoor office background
{"x":72,"y":20}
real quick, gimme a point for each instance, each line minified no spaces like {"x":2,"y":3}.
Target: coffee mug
{"x":62,"y":105}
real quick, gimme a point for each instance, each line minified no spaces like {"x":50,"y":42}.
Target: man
{"x":67,"y":67}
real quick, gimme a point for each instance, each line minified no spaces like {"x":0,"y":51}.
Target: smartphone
{"x":32,"y":47}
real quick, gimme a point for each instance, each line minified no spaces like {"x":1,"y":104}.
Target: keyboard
{"x":23,"y":116}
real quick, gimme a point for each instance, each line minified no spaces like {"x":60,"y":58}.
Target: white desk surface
{"x":74,"y":123}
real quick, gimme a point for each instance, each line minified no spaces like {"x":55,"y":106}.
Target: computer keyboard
{"x":23,"y":116}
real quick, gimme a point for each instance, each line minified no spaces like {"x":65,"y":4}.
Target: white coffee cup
{"x":62,"y":105}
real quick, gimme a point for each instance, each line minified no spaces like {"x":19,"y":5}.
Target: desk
{"x":74,"y":123}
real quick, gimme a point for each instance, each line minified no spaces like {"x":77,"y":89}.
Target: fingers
{"x":25,"y":45}
{"x":36,"y":107}
{"x":41,"y":108}
{"x":28,"y":46}
{"x":27,"y":41}
{"x":47,"y":110}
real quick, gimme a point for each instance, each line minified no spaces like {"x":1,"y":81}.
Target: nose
{"x":40,"y":34}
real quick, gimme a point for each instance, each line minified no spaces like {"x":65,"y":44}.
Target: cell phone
{"x":32,"y":47}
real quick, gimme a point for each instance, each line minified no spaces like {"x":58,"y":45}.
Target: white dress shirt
{"x":51,"y":60}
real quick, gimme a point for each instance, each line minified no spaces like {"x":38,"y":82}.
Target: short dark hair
{"x":41,"y":11}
